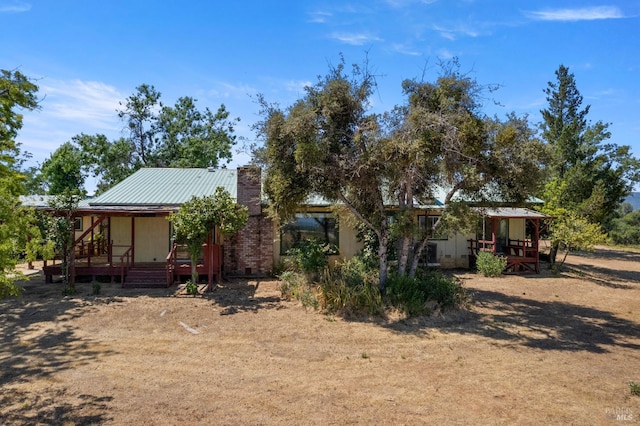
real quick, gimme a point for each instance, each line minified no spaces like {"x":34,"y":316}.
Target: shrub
{"x":68,"y":291}
{"x":634,"y":388}
{"x":96,"y":288}
{"x":351,"y":288}
{"x":407,"y":295}
{"x":490,"y":265}
{"x":446,"y":291}
{"x":412,"y":296}
{"x":294,"y":285}
{"x":192,"y":288}
{"x":309,"y":256}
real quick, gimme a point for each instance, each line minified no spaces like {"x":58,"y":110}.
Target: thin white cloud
{"x":297,"y":86}
{"x":235,"y":91}
{"x":14,"y":7}
{"x":90,"y":103}
{"x":405,"y":3}
{"x":445,"y":54}
{"x":453,"y":33}
{"x":578,"y":14}
{"x":405,"y":50}
{"x":68,"y":108}
{"x":319,"y":17}
{"x":354,"y":39}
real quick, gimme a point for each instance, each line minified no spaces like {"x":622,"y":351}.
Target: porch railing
{"x":125,"y":263}
{"x":172,"y":259}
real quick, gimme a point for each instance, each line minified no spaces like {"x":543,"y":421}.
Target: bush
{"x":309,"y":256}
{"x":294,"y":285}
{"x":490,"y":265}
{"x":191,"y":288}
{"x":626,"y":230}
{"x":68,"y":290}
{"x":415,"y":296}
{"x":351,"y":288}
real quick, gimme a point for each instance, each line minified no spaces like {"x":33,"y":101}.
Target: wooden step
{"x":145,"y":278}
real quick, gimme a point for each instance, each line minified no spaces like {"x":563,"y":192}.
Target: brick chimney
{"x":250,"y":189}
{"x":250,"y":251}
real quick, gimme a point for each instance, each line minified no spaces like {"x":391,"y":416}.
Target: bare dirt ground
{"x":536,"y":349}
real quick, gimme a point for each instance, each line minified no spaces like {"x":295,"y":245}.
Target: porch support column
{"x":71,"y":266}
{"x":494,"y":234}
{"x":536,"y":235}
{"x":133,"y":240}
{"x":210,"y":261}
{"x":90,"y":246}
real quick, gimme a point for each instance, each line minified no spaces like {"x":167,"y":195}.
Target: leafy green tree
{"x":200,"y":216}
{"x":10,"y":234}
{"x":16,"y":92}
{"x":139,"y":116}
{"x":109,"y":161}
{"x":626,"y":229}
{"x":328,"y":144}
{"x":594,"y":176}
{"x":443,"y":140}
{"x":158,"y":136}
{"x":574,"y":232}
{"x":33,"y":181}
{"x":62,"y":171}
{"x":60,"y":231}
{"x":188,"y":137}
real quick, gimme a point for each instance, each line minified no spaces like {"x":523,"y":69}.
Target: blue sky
{"x":87,"y":56}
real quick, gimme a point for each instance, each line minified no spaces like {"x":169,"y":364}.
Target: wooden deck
{"x":120,"y":269}
{"x":144,"y":274}
{"x":522,"y":255}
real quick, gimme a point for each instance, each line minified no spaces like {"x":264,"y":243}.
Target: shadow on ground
{"x":527,"y":322}
{"x":605,"y":277}
{"x":240,"y":296}
{"x":37,"y":341}
{"x":23,"y":408}
{"x":610,"y":253}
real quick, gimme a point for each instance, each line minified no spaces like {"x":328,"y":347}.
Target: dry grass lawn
{"x":536,"y":349}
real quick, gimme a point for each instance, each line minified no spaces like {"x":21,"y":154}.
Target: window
{"x":429,"y":222}
{"x":77,"y":224}
{"x":319,"y":226}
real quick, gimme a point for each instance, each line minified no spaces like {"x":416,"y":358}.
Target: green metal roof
{"x":511,"y":212}
{"x":167,"y":187}
{"x":43,"y":201}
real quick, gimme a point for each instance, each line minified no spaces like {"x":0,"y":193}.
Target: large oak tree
{"x":382,"y":168}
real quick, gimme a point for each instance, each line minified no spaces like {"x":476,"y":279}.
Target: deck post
{"x":210,"y":261}
{"x":133,"y":238}
{"x":494,"y":234}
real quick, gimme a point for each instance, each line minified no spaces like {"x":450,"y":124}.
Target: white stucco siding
{"x":516,"y":229}
{"x":120,"y":234}
{"x":151,"y":239}
{"x":453,"y":252}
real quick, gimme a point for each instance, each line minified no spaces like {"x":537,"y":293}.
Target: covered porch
{"x":134,"y":247}
{"x":510,"y":232}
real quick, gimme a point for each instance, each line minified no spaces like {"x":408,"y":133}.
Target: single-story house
{"x":125,"y":233}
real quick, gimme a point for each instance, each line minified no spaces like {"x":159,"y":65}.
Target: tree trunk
{"x":383,"y":261}
{"x":403,"y":254}
{"x":194,"y":270}
{"x":415,"y":260}
{"x":553,"y":253}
